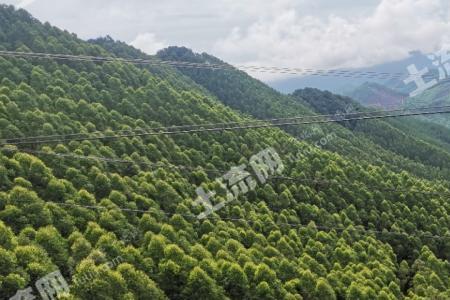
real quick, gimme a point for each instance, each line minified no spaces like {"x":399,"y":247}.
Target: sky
{"x":284,"y":33}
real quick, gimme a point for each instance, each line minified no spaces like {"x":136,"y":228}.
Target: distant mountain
{"x":371,"y":94}
{"x":377,"y":95}
{"x":345,"y":84}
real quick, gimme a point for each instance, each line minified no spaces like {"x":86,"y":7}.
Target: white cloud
{"x":25,"y":3}
{"x":148,"y":43}
{"x":300,"y":33}
{"x":390,"y":32}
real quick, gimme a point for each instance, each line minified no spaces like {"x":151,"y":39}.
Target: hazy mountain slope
{"x":370,"y":94}
{"x":377,"y":95}
{"x":366,"y":233}
{"x":438,"y":95}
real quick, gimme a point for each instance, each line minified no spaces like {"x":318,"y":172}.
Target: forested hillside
{"x":418,"y":140}
{"x":397,"y":148}
{"x":117,"y":217}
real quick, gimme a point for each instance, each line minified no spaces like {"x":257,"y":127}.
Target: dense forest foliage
{"x":361,"y":220}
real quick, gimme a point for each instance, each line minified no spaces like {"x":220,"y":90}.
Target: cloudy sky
{"x":294,"y":33}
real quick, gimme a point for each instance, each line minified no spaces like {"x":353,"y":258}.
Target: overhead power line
{"x":215,"y":171}
{"x":217,"y":66}
{"x":357,"y":228}
{"x":298,"y":225}
{"x":203,"y":125}
{"x":236,"y":126}
{"x":129,"y":210}
{"x":384,"y":110}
